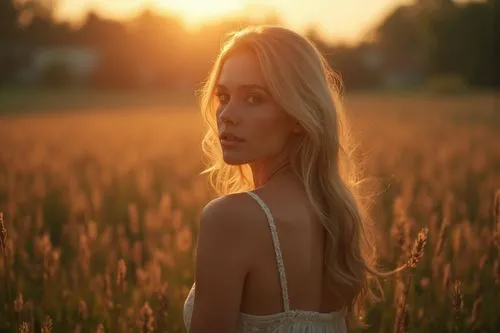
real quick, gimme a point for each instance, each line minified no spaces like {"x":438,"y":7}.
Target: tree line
{"x":411,"y":46}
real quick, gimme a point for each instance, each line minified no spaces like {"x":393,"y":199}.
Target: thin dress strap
{"x":277,"y":249}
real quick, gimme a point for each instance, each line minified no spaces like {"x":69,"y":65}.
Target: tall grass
{"x":100,"y":216}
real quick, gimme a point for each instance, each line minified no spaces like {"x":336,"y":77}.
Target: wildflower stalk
{"x":120,"y":287}
{"x":400,"y":322}
{"x":18,"y":307}
{"x":47,"y":325}
{"x":162,"y":311}
{"x":3,"y":244}
{"x":496,"y":220}
{"x":457,"y":305}
{"x":146,"y":319}
{"x":473,"y":320}
{"x":416,"y":255}
{"x":24,"y":327}
{"x":99,"y":328}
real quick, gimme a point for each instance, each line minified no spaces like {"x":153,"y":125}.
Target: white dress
{"x":289,"y":321}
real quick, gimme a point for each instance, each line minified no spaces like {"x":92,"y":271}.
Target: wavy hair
{"x":305,"y":86}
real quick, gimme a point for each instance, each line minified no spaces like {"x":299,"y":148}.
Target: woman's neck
{"x":263,"y":173}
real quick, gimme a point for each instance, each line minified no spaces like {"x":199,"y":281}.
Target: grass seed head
{"x":417,"y":252}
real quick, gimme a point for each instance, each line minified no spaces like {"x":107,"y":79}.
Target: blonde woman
{"x":286,"y":247}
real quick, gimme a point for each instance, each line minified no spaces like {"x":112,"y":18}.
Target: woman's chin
{"x":232,"y":159}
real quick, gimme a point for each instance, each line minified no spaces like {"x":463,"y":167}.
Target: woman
{"x":286,"y":247}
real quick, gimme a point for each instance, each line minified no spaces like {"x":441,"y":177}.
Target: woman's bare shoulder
{"x":228,"y":226}
{"x":235,"y":205}
{"x":237,"y":210}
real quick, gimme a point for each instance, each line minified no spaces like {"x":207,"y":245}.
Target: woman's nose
{"x":228,"y":115}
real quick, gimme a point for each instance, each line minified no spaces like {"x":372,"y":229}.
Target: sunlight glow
{"x":195,"y":11}
{"x":345,"y":20}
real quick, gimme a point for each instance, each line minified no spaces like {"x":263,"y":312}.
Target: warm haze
{"x":335,"y":19}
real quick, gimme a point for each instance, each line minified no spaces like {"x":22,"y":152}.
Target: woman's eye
{"x":223,"y":98}
{"x":254,"y":99}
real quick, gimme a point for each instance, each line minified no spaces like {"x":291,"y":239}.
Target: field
{"x":101,"y":207}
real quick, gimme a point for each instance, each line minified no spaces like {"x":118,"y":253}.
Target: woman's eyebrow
{"x":244,"y":87}
{"x":253,"y":86}
{"x":219,"y":86}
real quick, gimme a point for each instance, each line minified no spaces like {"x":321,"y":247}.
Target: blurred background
{"x":170,"y":44}
{"x":100,"y":159}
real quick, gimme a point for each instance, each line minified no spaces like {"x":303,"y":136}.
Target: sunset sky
{"x":335,"y":19}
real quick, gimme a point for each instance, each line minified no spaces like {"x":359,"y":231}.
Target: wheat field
{"x":100,"y":213}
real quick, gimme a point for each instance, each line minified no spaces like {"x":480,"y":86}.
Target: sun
{"x":196,"y":11}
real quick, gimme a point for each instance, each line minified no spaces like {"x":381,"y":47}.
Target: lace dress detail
{"x":288,"y":321}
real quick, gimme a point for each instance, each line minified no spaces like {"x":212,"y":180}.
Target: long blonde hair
{"x":304,"y":85}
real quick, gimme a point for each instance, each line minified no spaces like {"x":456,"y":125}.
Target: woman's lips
{"x":229,"y":143}
{"x":227,"y":136}
{"x":229,"y":140}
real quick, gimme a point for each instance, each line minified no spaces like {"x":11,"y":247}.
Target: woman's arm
{"x":222,"y":262}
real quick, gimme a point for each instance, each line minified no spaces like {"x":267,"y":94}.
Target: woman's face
{"x":251,"y":125}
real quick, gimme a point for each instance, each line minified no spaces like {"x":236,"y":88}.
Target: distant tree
{"x":159,"y":41}
{"x":36,"y":19}
{"x":476,"y":39}
{"x":433,"y":5}
{"x":347,"y":61}
{"x":10,"y":36}
{"x":102,"y":33}
{"x":401,"y":38}
{"x":9,"y":15}
{"x":354,"y":69}
{"x":118,"y":56}
{"x":445,"y":38}
{"x":36,"y":9}
{"x":461,"y":39}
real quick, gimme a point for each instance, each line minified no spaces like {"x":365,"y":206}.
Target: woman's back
{"x":284,"y":289}
{"x":301,"y":240}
